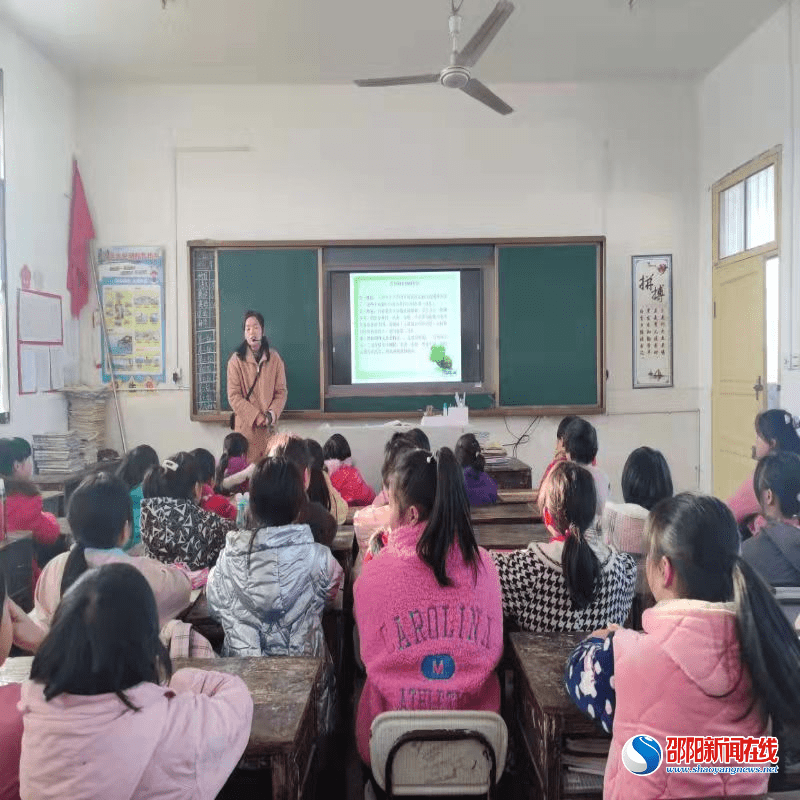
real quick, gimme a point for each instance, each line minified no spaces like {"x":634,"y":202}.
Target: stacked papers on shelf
{"x":87,"y":417}
{"x":58,"y":452}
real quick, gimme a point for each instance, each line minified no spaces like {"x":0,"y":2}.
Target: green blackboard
{"x":548,"y":325}
{"x":549,"y":303}
{"x":282,"y":284}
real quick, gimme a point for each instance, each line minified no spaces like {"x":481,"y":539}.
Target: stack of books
{"x":584,"y":764}
{"x":58,"y":452}
{"x":87,"y":418}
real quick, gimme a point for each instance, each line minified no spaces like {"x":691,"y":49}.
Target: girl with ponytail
{"x":481,"y":488}
{"x":717,"y":656}
{"x":428,"y":607}
{"x":100,"y":517}
{"x":572,"y":583}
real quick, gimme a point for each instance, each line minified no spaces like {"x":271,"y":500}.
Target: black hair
{"x":12,"y":451}
{"x":571,"y":498}
{"x":135,"y":464}
{"x":395,"y":447}
{"x":276,"y":495}
{"x":2,"y":591}
{"x":418,"y":438}
{"x":562,"y":426}
{"x":646,"y":478}
{"x":336,"y":447}
{"x":242,"y":349}
{"x":468,"y":452}
{"x":104,"y":637}
{"x":318,"y":491}
{"x":699,"y":535}
{"x":233,"y":445}
{"x":580,"y":441}
{"x":778,"y":426}
{"x":779,"y":471}
{"x":176,"y":477}
{"x":434,"y":485}
{"x":293,"y":448}
{"x":97,"y":512}
{"x":206,"y":464}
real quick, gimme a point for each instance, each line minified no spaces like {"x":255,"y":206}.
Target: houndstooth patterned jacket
{"x":535,"y":593}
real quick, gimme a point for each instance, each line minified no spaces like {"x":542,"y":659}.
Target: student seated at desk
{"x":271,"y":585}
{"x":428,"y":606}
{"x":322,"y":523}
{"x":210,"y":500}
{"x":15,"y":628}
{"x":774,"y":552}
{"x":560,"y":453}
{"x":574,"y":582}
{"x":344,"y":476}
{"x":100,"y":516}
{"x":320,"y":489}
{"x":24,"y":500}
{"x":580,"y":445}
{"x":174,"y":527}
{"x":132,"y":470}
{"x":646,"y":480}
{"x":717,"y":656}
{"x":481,"y":488}
{"x":232,"y":473}
{"x":105,"y":717}
{"x":374,"y":520}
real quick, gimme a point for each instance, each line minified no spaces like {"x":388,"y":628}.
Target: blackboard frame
{"x":222,"y":416}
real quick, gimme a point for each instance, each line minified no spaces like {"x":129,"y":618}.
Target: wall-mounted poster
{"x":132,"y":291}
{"x":652,"y":321}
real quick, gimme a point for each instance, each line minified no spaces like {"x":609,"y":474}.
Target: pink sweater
{"x":182,"y":744}
{"x":681,"y":677}
{"x":11,"y":738}
{"x":426,"y":646}
{"x":744,"y":503}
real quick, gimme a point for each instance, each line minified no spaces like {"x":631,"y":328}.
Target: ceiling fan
{"x":457,"y":75}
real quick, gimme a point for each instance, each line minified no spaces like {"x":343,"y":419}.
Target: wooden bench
{"x":542,"y":715}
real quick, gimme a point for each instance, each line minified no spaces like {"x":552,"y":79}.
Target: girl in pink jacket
{"x":103,"y":715}
{"x":776,"y":429}
{"x":717,"y":658}
{"x":428,"y":606}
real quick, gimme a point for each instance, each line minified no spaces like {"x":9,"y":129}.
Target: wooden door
{"x":739,"y":369}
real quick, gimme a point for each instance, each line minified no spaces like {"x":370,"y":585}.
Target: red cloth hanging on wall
{"x":81,"y":233}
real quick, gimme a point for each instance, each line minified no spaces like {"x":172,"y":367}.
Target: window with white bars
{"x":747,"y":213}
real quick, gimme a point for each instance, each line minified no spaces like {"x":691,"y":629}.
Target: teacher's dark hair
{"x":104,"y":637}
{"x":242,"y":349}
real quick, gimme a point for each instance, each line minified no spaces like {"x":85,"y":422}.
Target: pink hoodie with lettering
{"x":426,"y":646}
{"x":182,"y":743}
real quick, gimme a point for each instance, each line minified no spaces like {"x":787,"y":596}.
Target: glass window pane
{"x":760,"y":191}
{"x":772,"y":282}
{"x":731,"y":220}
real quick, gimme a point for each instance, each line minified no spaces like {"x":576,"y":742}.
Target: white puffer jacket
{"x":273,"y":605}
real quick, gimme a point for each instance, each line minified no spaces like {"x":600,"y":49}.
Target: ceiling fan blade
{"x":406,"y":80}
{"x":468,"y":55}
{"x":483,"y":93}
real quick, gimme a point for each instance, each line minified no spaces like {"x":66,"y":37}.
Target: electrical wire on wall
{"x":524,"y":438}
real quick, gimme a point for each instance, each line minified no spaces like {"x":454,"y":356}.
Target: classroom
{"x":228,"y":145}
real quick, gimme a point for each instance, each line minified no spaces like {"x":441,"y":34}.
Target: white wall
{"x":40,"y":110}
{"x":334,"y":162}
{"x":745,"y":107}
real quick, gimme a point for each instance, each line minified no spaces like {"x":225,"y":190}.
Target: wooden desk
{"x":505,"y":512}
{"x":283,"y":735}
{"x":67,"y":482}
{"x":16,"y":563}
{"x":492,"y":535}
{"x":512,"y":474}
{"x":542,"y":714}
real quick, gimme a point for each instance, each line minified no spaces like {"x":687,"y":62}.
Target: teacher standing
{"x":256,"y":386}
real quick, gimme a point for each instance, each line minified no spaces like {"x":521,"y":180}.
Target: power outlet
{"x":177,"y":376}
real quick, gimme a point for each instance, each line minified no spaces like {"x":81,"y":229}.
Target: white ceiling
{"x":335,"y":41}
